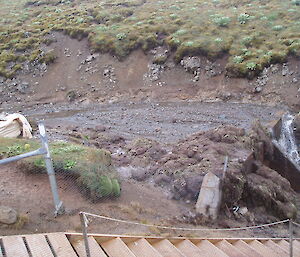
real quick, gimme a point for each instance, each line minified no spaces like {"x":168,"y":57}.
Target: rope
{"x":297,"y":224}
{"x":190,"y":229}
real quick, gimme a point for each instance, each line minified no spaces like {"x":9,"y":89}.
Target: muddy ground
{"x":98,"y":101}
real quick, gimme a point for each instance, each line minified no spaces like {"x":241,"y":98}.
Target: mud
{"x":165,"y":122}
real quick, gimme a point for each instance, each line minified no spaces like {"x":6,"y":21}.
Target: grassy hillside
{"x":254,"y":33}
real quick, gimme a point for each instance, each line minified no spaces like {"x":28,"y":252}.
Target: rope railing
{"x":84,"y":220}
{"x":187,"y":229}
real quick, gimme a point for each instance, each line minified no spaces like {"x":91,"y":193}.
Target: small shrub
{"x":243,"y":18}
{"x":278,"y":28}
{"x":251,"y":66}
{"x":99,"y":186}
{"x":296,"y":2}
{"x":222,"y":21}
{"x":238,"y":59}
{"x":121,"y":36}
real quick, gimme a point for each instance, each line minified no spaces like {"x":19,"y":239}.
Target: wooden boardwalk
{"x":72,"y":245}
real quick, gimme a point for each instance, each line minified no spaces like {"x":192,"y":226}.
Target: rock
{"x":258,"y":89}
{"x":295,"y":80}
{"x":22,"y":88}
{"x":71,"y":96}
{"x":285,"y":70}
{"x":8,"y":215}
{"x":162,"y":179}
{"x":191,"y":64}
{"x":139,"y":175}
{"x":243,"y":211}
{"x":209,"y":199}
{"x":274,"y":68}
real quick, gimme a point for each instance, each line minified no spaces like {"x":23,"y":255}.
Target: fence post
{"x":84,"y":232}
{"x":291,"y":237}
{"x":59,"y":208}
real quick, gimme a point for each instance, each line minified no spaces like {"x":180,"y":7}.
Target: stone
{"x":191,"y":64}
{"x":139,"y":174}
{"x":8,"y":215}
{"x":295,"y":80}
{"x":258,"y":89}
{"x":22,"y":88}
{"x":209,"y":200}
{"x":162,"y":179}
{"x":285,"y":70}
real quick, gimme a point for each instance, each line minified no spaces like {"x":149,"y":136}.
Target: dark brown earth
{"x":144,"y":115}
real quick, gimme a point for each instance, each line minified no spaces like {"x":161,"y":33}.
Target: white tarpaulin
{"x":13,"y":125}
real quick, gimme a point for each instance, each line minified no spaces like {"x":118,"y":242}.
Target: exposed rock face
{"x":191,"y":64}
{"x":209,"y":199}
{"x":8,"y":215}
{"x":265,"y":187}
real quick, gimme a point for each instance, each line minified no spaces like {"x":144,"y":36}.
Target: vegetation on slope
{"x":254,"y":33}
{"x":91,"y":168}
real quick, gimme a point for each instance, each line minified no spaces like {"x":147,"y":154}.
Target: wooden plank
{"x":246,"y":249}
{"x":14,"y":246}
{"x":61,"y":245}
{"x":142,"y":248}
{"x":189,"y":249}
{"x":95,"y":249}
{"x":117,"y":248}
{"x":286,"y":246}
{"x":205,"y":245}
{"x":273,"y":245}
{"x":229,"y":249}
{"x":264,"y":250}
{"x":167,"y":249}
{"x":38,"y":245}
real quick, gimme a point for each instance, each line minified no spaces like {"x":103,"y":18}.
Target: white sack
{"x":13,"y":124}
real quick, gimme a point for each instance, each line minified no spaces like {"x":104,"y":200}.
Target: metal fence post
{"x":59,"y":208}
{"x":291,"y":237}
{"x":84,"y":232}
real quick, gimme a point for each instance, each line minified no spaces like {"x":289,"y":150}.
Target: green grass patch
{"x":91,"y":168}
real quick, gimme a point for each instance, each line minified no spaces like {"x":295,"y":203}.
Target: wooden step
{"x":229,"y":249}
{"x":142,"y":248}
{"x":246,"y":249}
{"x":271,"y":244}
{"x":296,"y":243}
{"x":286,"y":246}
{"x":117,"y":248}
{"x":38,"y":245}
{"x":14,"y":246}
{"x":189,"y":249}
{"x":205,"y":245}
{"x":94,"y":247}
{"x":264,"y":250}
{"x":167,"y":249}
{"x":61,"y":245}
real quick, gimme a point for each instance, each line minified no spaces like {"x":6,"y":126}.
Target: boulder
{"x":8,"y":215}
{"x":209,"y":199}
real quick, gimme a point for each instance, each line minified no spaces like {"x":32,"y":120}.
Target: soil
{"x":83,"y":94}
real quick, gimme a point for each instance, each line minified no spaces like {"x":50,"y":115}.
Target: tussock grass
{"x":254,"y":33}
{"x":91,"y":168}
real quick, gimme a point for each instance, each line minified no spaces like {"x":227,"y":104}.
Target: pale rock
{"x":8,"y":215}
{"x":209,"y":199}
